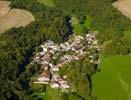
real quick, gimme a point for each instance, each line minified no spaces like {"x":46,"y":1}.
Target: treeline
{"x":105,"y":18}
{"x":120,"y":46}
{"x":17,"y":45}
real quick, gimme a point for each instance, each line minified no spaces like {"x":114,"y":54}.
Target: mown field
{"x":113,"y":82}
{"x":47,"y":2}
{"x":13,"y":18}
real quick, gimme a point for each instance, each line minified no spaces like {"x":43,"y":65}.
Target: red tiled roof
{"x":44,"y":65}
{"x":46,"y":74}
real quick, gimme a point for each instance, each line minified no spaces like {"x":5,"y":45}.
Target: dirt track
{"x":124,"y":6}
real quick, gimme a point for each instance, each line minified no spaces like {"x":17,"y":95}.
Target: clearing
{"x":79,"y":28}
{"x":124,"y":6}
{"x":15,"y":18}
{"x":4,"y":8}
{"x":113,"y":82}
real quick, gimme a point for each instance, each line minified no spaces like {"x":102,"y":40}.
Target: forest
{"x":17,"y":45}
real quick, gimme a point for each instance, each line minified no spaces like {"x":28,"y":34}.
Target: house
{"x":43,"y":62}
{"x":66,"y":58}
{"x":57,"y":77}
{"x":44,"y":50}
{"x":46,"y":57}
{"x":78,"y":39}
{"x":78,"y":47}
{"x":65,"y":47}
{"x":44,"y":77}
{"x":37,"y":58}
{"x":38,"y":82}
{"x":90,"y":37}
{"x":91,"y":61}
{"x":52,"y":52}
{"x":75,"y":58}
{"x":65,"y":86}
{"x":63,"y":81}
{"x":65,"y":76}
{"x":59,"y":65}
{"x":94,"y":42}
{"x":55,"y":68}
{"x":54,"y":84}
{"x":45,"y":66}
{"x":67,"y":44}
{"x":54,"y":47}
{"x":91,"y":56}
{"x":42,"y":53}
{"x":48,"y":43}
{"x":51,"y":65}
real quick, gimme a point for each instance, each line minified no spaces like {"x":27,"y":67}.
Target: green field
{"x":79,"y":28}
{"x":113,"y":82}
{"x":47,"y":2}
{"x":127,"y":33}
{"x":87,"y":22}
{"x":52,"y":94}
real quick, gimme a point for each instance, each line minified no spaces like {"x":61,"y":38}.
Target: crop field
{"x":47,"y":2}
{"x":4,"y":7}
{"x":124,"y":6}
{"x":113,"y":82}
{"x":15,"y":18}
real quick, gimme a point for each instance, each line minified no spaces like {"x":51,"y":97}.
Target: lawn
{"x":47,"y":2}
{"x":113,"y":82}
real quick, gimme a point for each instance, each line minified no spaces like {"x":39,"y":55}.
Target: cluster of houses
{"x":50,"y":71}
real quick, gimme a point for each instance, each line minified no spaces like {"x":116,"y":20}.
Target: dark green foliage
{"x":17,"y":45}
{"x":120,"y":46}
{"x":107,"y":20}
{"x":51,"y":21}
{"x":79,"y":74}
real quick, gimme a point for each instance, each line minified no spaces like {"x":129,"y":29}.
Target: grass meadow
{"x":113,"y":82}
{"x":47,"y":2}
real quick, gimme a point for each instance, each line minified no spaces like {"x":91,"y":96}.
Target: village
{"x":50,"y":70}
